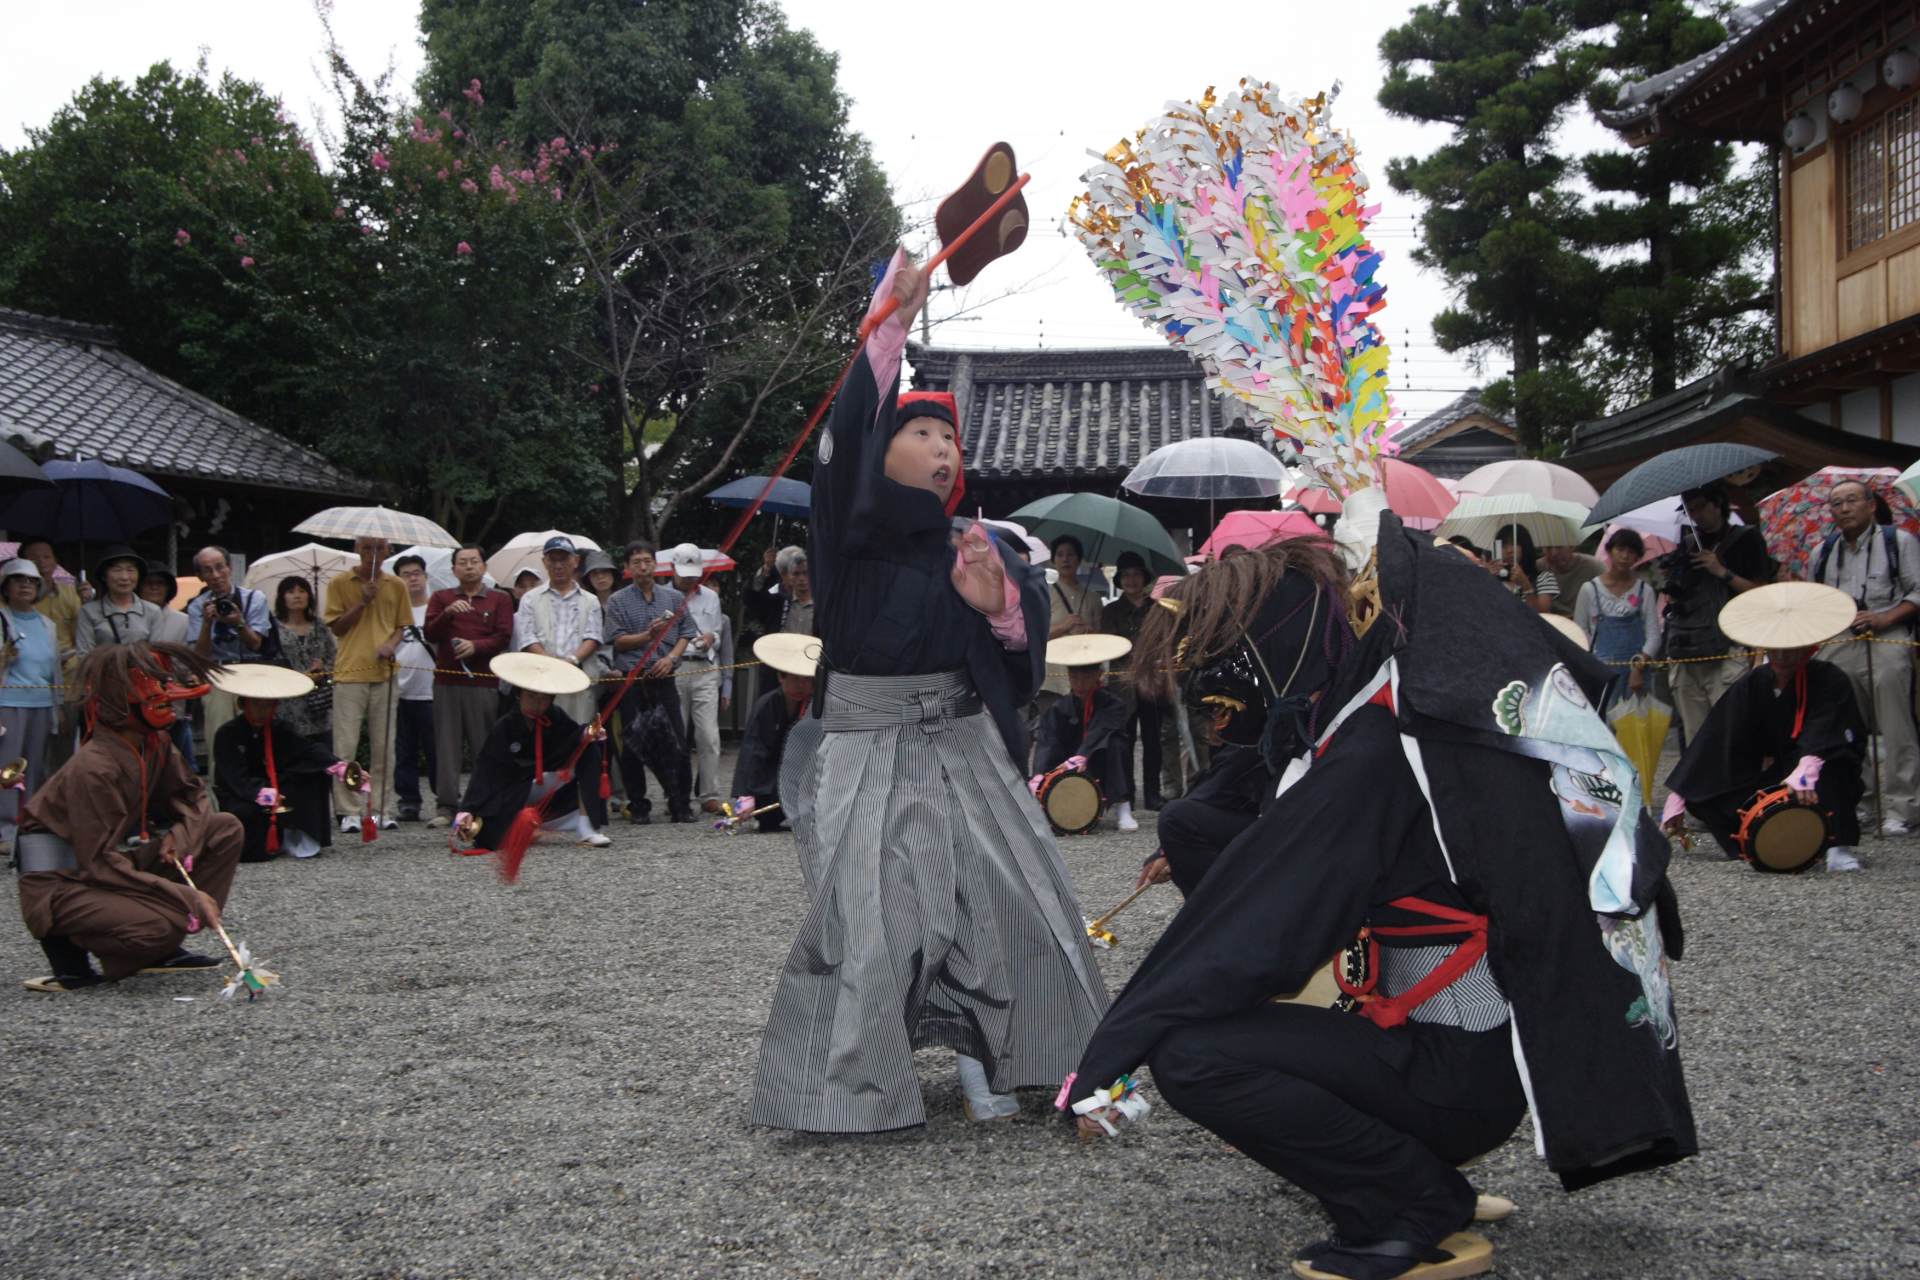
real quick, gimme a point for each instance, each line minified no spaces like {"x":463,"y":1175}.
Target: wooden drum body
{"x":1778,"y":833}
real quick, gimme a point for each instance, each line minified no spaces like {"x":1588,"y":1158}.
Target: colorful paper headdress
{"x":1237,"y":227}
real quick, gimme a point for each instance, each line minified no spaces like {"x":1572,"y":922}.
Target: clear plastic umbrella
{"x":1214,"y":468}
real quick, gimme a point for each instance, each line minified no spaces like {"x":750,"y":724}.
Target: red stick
{"x":872,"y":322}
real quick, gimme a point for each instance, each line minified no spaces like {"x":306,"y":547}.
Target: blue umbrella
{"x":89,"y":502}
{"x":789,"y":497}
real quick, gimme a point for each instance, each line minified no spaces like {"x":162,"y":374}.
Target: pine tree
{"x":1499,"y":222}
{"x":1690,"y":290}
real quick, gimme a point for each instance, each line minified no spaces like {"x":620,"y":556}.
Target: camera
{"x":226,"y":606}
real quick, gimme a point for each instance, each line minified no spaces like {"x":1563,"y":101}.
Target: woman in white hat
{"x":277,"y":781}
{"x":29,"y":685}
{"x":525,"y":758}
{"x":1791,"y":721}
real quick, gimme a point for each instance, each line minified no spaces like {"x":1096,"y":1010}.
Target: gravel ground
{"x":459,"y":1079}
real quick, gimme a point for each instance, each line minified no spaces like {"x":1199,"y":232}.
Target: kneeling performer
{"x":1087,"y":729}
{"x":756,"y":775}
{"x":523,"y":760}
{"x":1792,"y":723}
{"x":97,"y":846}
{"x":1462,"y":826}
{"x":277,"y":782}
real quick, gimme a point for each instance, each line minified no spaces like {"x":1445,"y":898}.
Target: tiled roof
{"x":1752,"y":30}
{"x":1076,"y":414}
{"x":69,"y":386}
{"x":1465,"y":405}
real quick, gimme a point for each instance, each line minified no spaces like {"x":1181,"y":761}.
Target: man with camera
{"x":225,"y":624}
{"x":1879,"y":567}
{"x":1716,"y":561}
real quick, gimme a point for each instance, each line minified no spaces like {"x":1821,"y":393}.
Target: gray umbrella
{"x":1674,"y":472}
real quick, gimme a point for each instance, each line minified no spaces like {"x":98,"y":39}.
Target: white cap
{"x":19,"y":569}
{"x":687,"y":561}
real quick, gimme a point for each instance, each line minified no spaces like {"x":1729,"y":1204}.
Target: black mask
{"x":1260,"y":692}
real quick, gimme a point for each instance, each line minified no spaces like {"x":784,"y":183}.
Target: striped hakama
{"x":940,"y":914}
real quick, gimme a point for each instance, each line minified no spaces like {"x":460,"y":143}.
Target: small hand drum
{"x":1779,"y":833}
{"x":1333,"y":985}
{"x":1071,"y":802}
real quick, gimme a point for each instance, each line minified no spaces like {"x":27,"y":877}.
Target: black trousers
{"x":1194,"y":830}
{"x":1840,"y":790}
{"x":653,"y":736}
{"x":1111,"y":768}
{"x":412,"y":742}
{"x":1144,"y":727}
{"x":1371,"y":1123}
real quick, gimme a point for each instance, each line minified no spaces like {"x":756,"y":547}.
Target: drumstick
{"x":1101,"y":922}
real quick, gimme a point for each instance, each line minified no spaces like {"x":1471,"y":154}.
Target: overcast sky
{"x":1054,"y":80}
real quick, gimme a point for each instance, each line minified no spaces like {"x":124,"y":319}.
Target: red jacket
{"x":489,"y":625}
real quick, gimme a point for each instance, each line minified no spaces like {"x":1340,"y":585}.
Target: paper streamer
{"x":1237,"y":227}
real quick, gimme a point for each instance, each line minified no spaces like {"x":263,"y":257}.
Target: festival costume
{"x":1223,"y":802}
{"x":1094,"y":727}
{"x":93,"y":878}
{"x":762,"y":745}
{"x":251,"y":759}
{"x":522,"y":763}
{"x":1459,"y":782}
{"x":940,"y":910}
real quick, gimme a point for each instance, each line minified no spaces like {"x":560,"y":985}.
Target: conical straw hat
{"x":1087,"y":650}
{"x":1787,"y":615}
{"x":1568,"y":628}
{"x":789,"y":653}
{"x":539,"y":673}
{"x":258,"y":680}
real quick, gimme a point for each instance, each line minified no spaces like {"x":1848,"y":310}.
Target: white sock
{"x":1840,"y":858}
{"x":1123,"y":810}
{"x":980,"y":1095}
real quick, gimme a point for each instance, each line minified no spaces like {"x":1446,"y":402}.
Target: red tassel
{"x":368,"y":831}
{"x":606,"y":786}
{"x":514,"y":845}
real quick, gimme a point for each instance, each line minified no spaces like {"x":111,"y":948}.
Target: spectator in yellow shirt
{"x":59,"y":604}
{"x":367,"y":610}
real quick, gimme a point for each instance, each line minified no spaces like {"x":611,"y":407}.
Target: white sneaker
{"x":438,"y":821}
{"x":349,"y":826}
{"x":1127,"y":822}
{"x":1840,"y":858}
{"x":1894,"y":827}
{"x":388,"y":824}
{"x":598,"y":840}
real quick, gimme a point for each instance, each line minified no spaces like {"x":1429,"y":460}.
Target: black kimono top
{"x":240,"y":761}
{"x":880,"y":553}
{"x":1065,"y":730}
{"x":503,"y":771}
{"x":1748,"y":739}
{"x":757,"y":772}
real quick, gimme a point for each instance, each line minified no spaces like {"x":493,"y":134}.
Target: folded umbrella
{"x":1673,"y":473}
{"x":1640,"y":722}
{"x":1105,"y":527}
{"x":1210,"y":468}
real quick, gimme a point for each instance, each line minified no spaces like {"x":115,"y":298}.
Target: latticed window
{"x":1883,"y":176}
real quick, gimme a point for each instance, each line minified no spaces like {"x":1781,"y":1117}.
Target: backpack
{"x":1888,"y":538}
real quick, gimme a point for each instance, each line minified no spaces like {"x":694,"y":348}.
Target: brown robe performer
{"x":118,"y":895}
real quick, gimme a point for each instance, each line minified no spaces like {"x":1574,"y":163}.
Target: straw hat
{"x":788,"y":652}
{"x":1787,"y":615}
{"x":1568,"y":628}
{"x":539,"y":673}
{"x":1087,"y":650}
{"x":258,"y":680}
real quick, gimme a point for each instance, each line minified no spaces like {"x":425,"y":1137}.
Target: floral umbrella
{"x":1795,"y":520}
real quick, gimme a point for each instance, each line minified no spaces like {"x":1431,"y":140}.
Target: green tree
{"x":1684,"y":240}
{"x":1499,"y":223}
{"x":138,"y":206}
{"x":721,"y":214}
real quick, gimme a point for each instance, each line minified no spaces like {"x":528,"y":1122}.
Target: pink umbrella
{"x":1255,"y":529}
{"x":1312,"y":498}
{"x":1416,"y":496}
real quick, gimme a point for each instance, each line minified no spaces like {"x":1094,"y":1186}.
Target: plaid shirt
{"x":630,"y":613}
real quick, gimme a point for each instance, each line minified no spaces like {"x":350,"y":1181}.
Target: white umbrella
{"x":1484,"y":521}
{"x":315,"y":563}
{"x":439,"y":567}
{"x":397,"y":527}
{"x":523,"y":552}
{"x":1910,"y":481}
{"x":1528,"y":475}
{"x":1210,"y":467}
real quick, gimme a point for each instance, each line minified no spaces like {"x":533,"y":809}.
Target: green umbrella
{"x":1105,"y":526}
